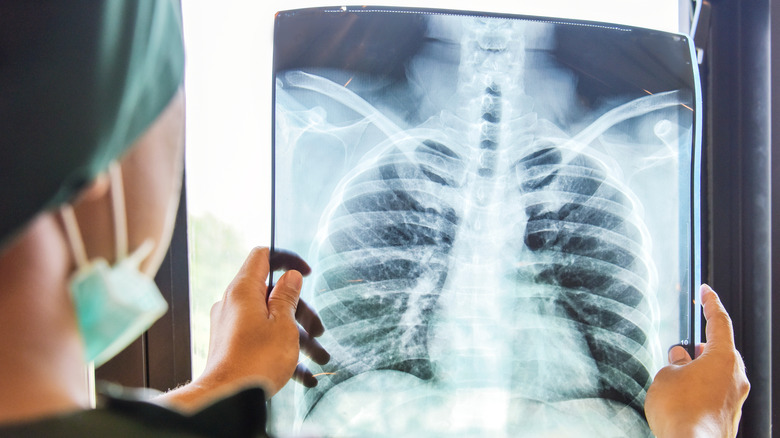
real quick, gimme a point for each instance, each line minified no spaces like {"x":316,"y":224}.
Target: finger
{"x":311,"y":348}
{"x":251,"y":277}
{"x":283,"y":260}
{"x":284,"y":296}
{"x":303,"y":376}
{"x":700,"y":349}
{"x":216,"y":308}
{"x":719,"y":328}
{"x":309,"y":319}
{"x":678,"y":356}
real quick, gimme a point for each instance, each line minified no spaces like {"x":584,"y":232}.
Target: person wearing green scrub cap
{"x":91,"y":152}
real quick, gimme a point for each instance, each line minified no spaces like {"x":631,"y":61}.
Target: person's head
{"x":83,"y":86}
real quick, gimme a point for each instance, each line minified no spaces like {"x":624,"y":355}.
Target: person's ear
{"x":96,"y":189}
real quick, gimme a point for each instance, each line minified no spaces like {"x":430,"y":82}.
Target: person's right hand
{"x":701,"y":397}
{"x":255,"y":339}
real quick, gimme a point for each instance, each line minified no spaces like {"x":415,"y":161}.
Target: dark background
{"x":380,"y":44}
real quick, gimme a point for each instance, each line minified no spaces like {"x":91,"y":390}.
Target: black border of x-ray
{"x":379,"y":43}
{"x":310,"y":43}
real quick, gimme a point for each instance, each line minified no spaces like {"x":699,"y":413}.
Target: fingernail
{"x":292,"y":279}
{"x":706,"y":290}
{"x":677,"y":354}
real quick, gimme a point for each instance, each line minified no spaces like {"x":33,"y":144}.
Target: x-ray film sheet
{"x":500,"y":213}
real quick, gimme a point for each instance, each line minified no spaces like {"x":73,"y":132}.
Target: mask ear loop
{"x":74,"y":236}
{"x":120,"y":221}
{"x":118,"y":204}
{"x":73,"y":233}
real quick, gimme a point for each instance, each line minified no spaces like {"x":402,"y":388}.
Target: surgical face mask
{"x":114,"y":304}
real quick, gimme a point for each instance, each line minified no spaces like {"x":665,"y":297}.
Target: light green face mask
{"x":114,"y":304}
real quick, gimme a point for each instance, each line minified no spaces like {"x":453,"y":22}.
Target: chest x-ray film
{"x":500,"y":216}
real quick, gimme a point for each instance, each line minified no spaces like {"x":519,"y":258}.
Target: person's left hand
{"x":702,"y":397}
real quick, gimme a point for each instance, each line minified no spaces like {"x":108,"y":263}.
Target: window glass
{"x":228,"y":160}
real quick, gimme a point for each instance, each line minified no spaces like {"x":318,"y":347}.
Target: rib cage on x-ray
{"x":485,"y":255}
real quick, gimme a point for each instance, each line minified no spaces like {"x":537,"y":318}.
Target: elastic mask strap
{"x":118,"y":204}
{"x":74,"y":236}
{"x":120,"y":220}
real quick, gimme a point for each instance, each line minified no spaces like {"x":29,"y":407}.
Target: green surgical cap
{"x":79,"y":82}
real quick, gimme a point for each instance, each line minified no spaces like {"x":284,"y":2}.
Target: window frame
{"x":736,"y":75}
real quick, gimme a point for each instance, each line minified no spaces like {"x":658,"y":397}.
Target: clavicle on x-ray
{"x":500,"y":213}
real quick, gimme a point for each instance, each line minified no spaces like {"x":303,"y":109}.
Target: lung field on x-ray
{"x":483,"y":266}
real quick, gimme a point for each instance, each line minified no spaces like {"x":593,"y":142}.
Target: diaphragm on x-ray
{"x":500,"y":214}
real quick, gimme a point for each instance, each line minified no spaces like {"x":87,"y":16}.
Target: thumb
{"x":284,"y":296}
{"x":678,"y":356}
